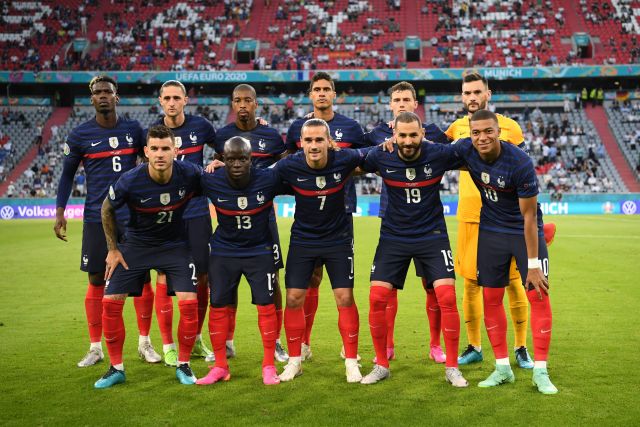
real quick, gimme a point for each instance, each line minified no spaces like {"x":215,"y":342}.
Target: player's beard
{"x":481,"y":106}
{"x":409,"y":152}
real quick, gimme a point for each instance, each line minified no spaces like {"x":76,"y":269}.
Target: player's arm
{"x":114,"y":256}
{"x":70,"y":166}
{"x":529,"y":210}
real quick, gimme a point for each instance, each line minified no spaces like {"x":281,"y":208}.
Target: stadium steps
{"x":598,"y":116}
{"x":59,"y":118}
{"x":572,"y":16}
{"x":261,"y":17}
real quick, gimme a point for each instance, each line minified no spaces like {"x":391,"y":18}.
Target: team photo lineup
{"x":147,"y":209}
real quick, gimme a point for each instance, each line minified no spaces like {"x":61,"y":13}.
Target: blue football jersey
{"x":243,"y":214}
{"x":191,"y":138}
{"x":156,"y":210}
{"x":106,"y":155}
{"x":266,"y":143}
{"x":347,"y":133}
{"x":382,"y":132}
{"x":320,"y":218}
{"x":414,"y":211}
{"x":501,"y":183}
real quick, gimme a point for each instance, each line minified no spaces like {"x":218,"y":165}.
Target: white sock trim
{"x":119,"y":367}
{"x":168,"y":347}
{"x":540,"y":364}
{"x":143,"y":339}
{"x":96,"y":346}
{"x":503,"y":361}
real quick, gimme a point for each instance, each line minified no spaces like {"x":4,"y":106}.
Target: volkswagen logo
{"x":628,"y":208}
{"x":7,"y":212}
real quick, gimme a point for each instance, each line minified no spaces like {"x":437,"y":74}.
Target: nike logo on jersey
{"x":145,"y":200}
{"x":93,"y":144}
{"x":391,"y":171}
{"x":222,"y":200}
{"x":302,"y":179}
{"x":449,"y":270}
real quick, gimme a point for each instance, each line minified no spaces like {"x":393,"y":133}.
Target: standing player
{"x":266,"y":148}
{"x":403,"y":98}
{"x":156,"y":194}
{"x":108,"y":146}
{"x":242,"y":245}
{"x":510,"y":227}
{"x":321,"y":233}
{"x":347,"y":133}
{"x":191,"y":134}
{"x":475,"y":97}
{"x":413,"y":227}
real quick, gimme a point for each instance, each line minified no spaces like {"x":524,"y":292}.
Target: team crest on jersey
{"x":262,"y":145}
{"x":260,"y":198}
{"x":485,"y":177}
{"x":193,"y":138}
{"x":85,"y":260}
{"x":129,"y":139}
{"x":182,"y":192}
{"x":243,"y":202}
{"x":337,"y":176}
{"x":165,"y":198}
{"x":321,"y":182}
{"x":411,"y":174}
{"x":66,"y":150}
{"x":501,"y":182}
{"x":178,"y":141}
{"x":428,"y":171}
{"x":113,"y":142}
{"x":338,"y":134}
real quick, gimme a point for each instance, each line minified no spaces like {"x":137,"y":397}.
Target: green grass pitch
{"x":594,"y":358}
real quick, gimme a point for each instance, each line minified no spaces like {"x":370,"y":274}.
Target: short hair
{"x":321,"y":75}
{"x":316,"y":123}
{"x":403,"y":86}
{"x":161,"y":132}
{"x":102,"y":78}
{"x":483,"y":115}
{"x":407,"y":117}
{"x":175,"y":83}
{"x":474,"y":77}
{"x":247,"y":88}
{"x":237,"y":140}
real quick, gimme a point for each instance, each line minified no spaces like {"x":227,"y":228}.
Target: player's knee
{"x":295,"y":300}
{"x":96,"y":279}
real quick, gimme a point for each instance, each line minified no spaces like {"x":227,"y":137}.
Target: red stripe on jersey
{"x":504,"y":190}
{"x":339,"y":144}
{"x":402,"y":184}
{"x":104,"y":154}
{"x":319,"y":192}
{"x":261,"y":155}
{"x":249,"y":212}
{"x":165,"y":208}
{"x":191,"y":149}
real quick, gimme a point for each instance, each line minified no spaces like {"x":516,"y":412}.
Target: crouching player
{"x":156,"y":194}
{"x":241,"y":245}
{"x":413,"y":228}
{"x":510,"y":226}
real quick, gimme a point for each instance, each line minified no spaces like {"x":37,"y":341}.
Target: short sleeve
{"x":526,"y":181}
{"x":370,"y":163}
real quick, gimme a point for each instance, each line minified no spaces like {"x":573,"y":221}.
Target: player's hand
{"x":215,"y":164}
{"x":309,"y":115}
{"x":60,"y":228}
{"x":536,"y":279}
{"x":262,"y":121}
{"x":114,"y":257}
{"x":391,"y":124}
{"x":388,"y":144}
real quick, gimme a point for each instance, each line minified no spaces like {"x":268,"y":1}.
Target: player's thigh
{"x":275,"y":236}
{"x":94,"y":246}
{"x":494,"y":259}
{"x":198,"y":231}
{"x":261,"y":275}
{"x":391,"y":263}
{"x":521,"y":258}
{"x":339,"y":262}
{"x":301,"y":261}
{"x":224,"y":277}
{"x":178,"y":266}
{"x":129,"y":281}
{"x":435,"y":260}
{"x":467,"y":250}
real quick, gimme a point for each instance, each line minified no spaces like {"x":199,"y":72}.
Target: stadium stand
{"x":202,"y":35}
{"x":624,"y":120}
